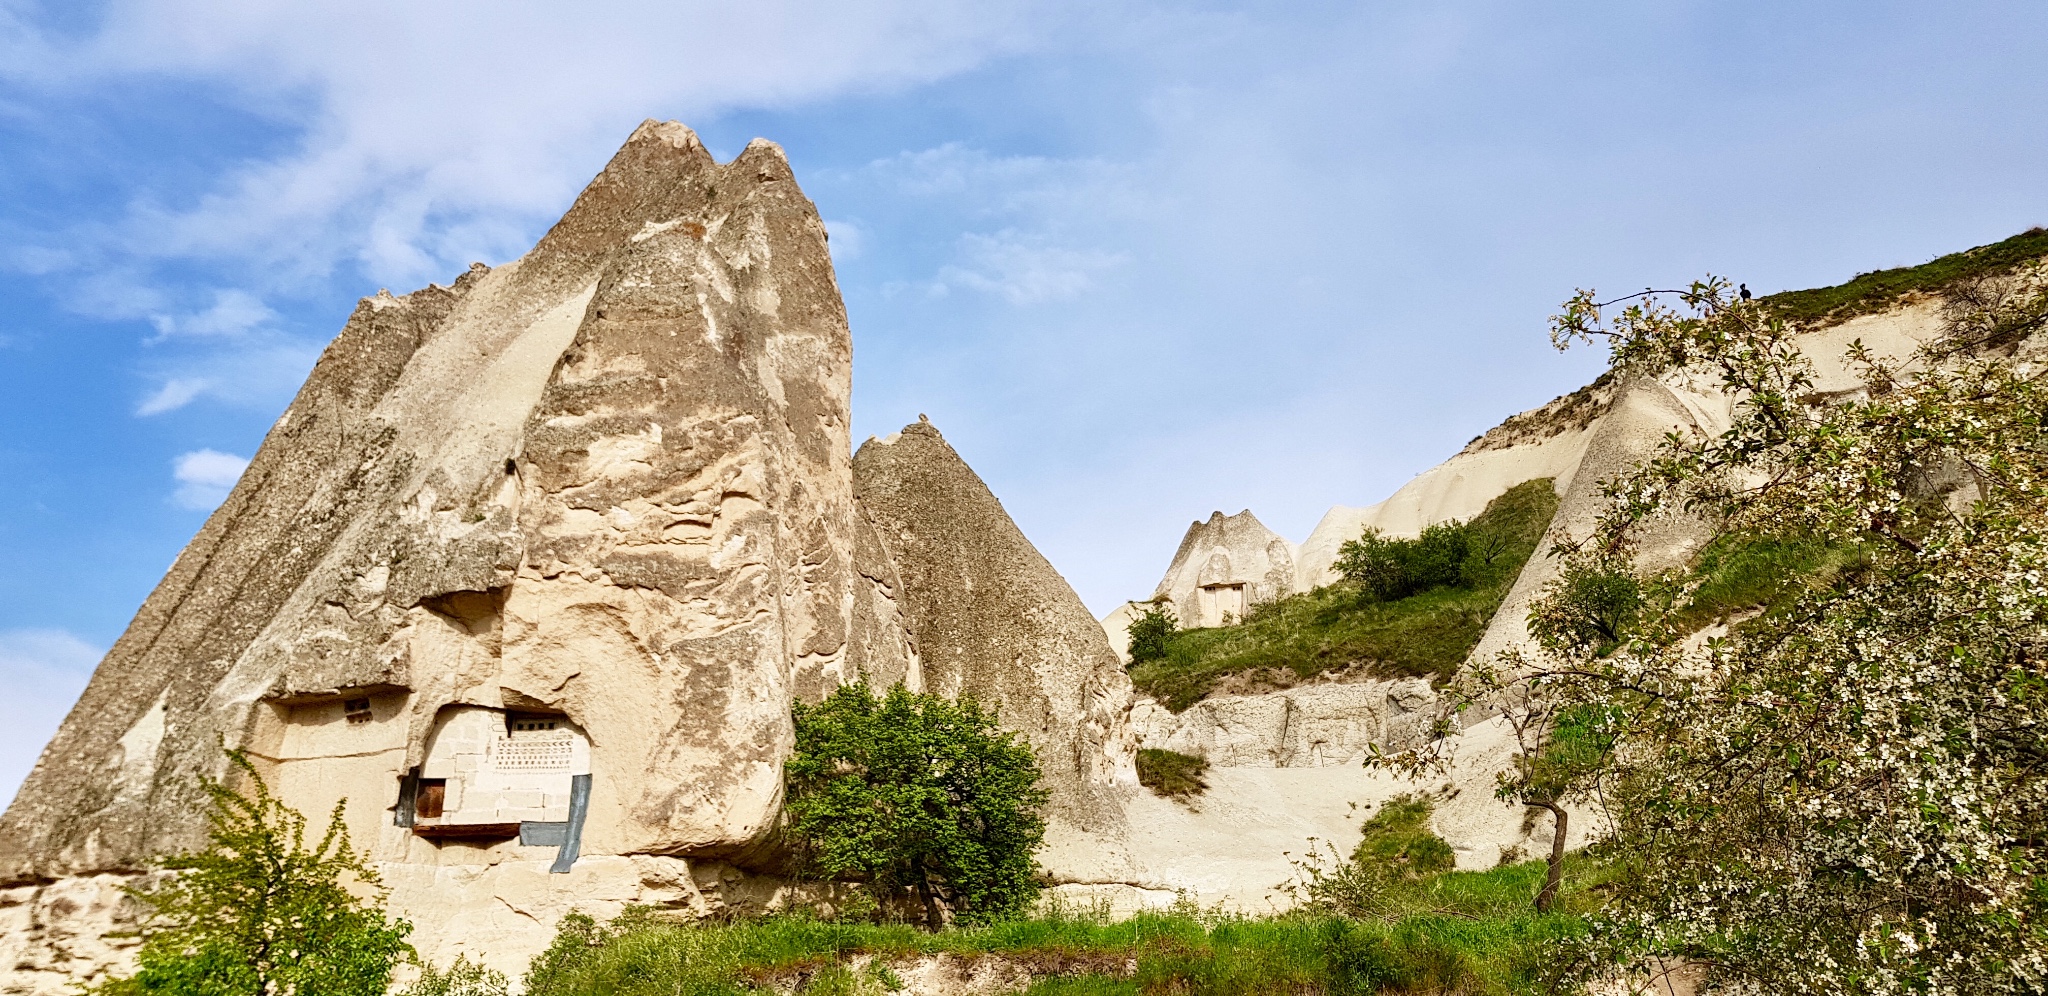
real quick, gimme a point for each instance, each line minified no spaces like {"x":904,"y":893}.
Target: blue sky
{"x":1139,"y":261}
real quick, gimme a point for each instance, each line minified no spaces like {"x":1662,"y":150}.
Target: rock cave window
{"x":495,"y":774}
{"x":432,"y":798}
{"x":357,"y":710}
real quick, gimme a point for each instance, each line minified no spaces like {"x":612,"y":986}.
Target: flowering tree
{"x":1849,"y":792}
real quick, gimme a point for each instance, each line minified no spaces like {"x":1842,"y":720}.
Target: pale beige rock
{"x":1456,"y":489}
{"x":1224,"y":566}
{"x":993,"y":620}
{"x":1311,"y":726}
{"x":1117,"y":626}
{"x":74,"y":930}
{"x":1237,"y":844}
{"x":609,"y":482}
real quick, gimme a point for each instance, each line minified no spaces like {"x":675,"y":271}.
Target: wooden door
{"x":433,"y":795}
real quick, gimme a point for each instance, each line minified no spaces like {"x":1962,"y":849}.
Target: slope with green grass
{"x":1460,"y":932}
{"x":1873,"y":292}
{"x":1333,"y":628}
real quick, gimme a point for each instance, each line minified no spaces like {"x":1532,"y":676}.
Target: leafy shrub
{"x":1386,"y":569}
{"x":461,"y":979}
{"x":1172,"y":774}
{"x":1447,"y":555}
{"x":258,"y":913}
{"x":1398,"y":839}
{"x":1591,"y":606}
{"x":916,"y":796}
{"x":1151,"y":634}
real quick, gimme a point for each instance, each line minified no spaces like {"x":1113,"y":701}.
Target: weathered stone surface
{"x":993,"y":620}
{"x":1312,"y":726}
{"x":74,"y":930}
{"x":1224,"y":566}
{"x":609,"y":482}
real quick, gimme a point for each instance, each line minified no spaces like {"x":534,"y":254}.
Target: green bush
{"x":257,"y":913}
{"x":916,"y":796}
{"x":1151,"y":634}
{"x":1453,"y":554}
{"x":1592,"y":606}
{"x":461,"y":979}
{"x":1398,"y":839}
{"x":1172,"y":774}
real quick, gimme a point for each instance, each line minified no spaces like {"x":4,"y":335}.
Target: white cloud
{"x":233,"y":313}
{"x":259,"y":369}
{"x":239,"y":355}
{"x":175,"y":393}
{"x":436,"y":132}
{"x":205,"y":477}
{"x":45,"y":670}
{"x":1024,"y":272}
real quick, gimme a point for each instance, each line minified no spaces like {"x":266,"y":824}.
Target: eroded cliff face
{"x":993,"y":620}
{"x":608,"y":481}
{"x":587,"y":516}
{"x":548,"y":555}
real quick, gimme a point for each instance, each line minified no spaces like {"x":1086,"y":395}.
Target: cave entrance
{"x":491,"y":774}
{"x":1222,"y":604}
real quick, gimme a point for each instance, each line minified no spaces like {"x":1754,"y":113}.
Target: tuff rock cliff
{"x":531,"y":571}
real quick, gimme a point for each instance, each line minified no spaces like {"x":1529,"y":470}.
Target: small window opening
{"x":433,"y":795}
{"x":533,"y":724}
{"x":357,"y":710}
{"x":510,"y":466}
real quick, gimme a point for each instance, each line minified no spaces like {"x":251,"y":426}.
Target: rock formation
{"x":533,"y":568}
{"x":994,"y":621}
{"x":531,"y":572}
{"x":1225,"y":566}
{"x":1273,"y":756}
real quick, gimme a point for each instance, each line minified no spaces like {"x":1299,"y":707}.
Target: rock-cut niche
{"x":492,"y":774}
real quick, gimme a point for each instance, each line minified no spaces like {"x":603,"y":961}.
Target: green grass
{"x":1331,"y":628}
{"x":1460,"y":932}
{"x":1873,"y":292}
{"x":1741,"y":573}
{"x":1171,"y":773}
{"x":1398,"y":838}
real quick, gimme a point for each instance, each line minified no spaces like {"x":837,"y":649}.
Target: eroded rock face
{"x":1224,"y":566}
{"x":608,"y":481}
{"x":601,"y":496}
{"x":992,"y":619}
{"x":1313,"y":726}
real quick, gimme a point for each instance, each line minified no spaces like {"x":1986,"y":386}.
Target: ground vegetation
{"x":1414,"y":608}
{"x":916,"y":797}
{"x":1172,"y":774}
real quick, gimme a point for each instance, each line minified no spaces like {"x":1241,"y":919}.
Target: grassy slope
{"x":1465,"y":932}
{"x":1329,"y":628}
{"x":1873,"y":292}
